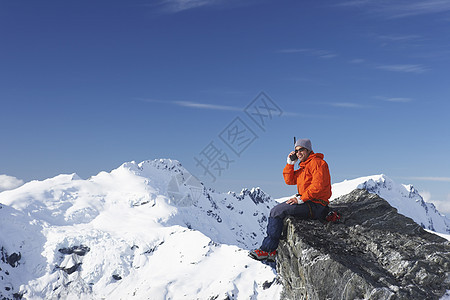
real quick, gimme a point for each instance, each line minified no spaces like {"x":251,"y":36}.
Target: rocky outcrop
{"x":372,"y":253}
{"x":11,"y":259}
{"x":256,"y":195}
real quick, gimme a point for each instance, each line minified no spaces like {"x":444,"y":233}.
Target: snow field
{"x":152,"y":231}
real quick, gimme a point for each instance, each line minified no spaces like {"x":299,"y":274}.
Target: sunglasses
{"x":299,"y":150}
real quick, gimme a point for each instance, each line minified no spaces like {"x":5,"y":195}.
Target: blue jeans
{"x":308,"y":210}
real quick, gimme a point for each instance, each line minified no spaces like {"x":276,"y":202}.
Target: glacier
{"x":151,"y":230}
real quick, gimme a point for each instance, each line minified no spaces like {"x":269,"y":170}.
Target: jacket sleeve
{"x":290,"y":176}
{"x":320,"y":183}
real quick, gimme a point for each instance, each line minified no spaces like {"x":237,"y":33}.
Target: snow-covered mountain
{"x":142,"y":231}
{"x":405,"y":198}
{"x":150,"y":231}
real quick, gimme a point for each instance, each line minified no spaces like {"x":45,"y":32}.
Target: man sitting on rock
{"x":314,"y":189}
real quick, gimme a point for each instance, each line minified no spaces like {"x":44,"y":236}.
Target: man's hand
{"x":289,"y":161}
{"x":295,"y":200}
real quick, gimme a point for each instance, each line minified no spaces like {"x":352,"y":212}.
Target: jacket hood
{"x":312,"y":156}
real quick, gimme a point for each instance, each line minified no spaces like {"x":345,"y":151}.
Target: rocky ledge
{"x":372,"y":253}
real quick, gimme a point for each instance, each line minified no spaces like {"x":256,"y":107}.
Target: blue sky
{"x":88,"y":85}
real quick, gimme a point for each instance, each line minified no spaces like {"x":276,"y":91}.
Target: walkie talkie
{"x":293,"y":157}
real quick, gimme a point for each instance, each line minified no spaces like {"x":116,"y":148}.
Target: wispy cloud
{"x":437,"y":179}
{"x":414,"y":8}
{"x":394,"y":99}
{"x":347,"y":105}
{"x":293,"y":50}
{"x":174,"y":6}
{"x":399,"y":8}
{"x":309,"y":115}
{"x":417,"y":69}
{"x":196,"y":105}
{"x":406,"y":41}
{"x":401,"y":68}
{"x":353,"y":3}
{"x":399,"y":38}
{"x":207,"y":106}
{"x":325,"y":54}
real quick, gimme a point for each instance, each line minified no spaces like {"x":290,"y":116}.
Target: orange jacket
{"x":312,"y":179}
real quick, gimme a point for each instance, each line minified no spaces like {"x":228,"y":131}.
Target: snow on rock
{"x":147,"y":230}
{"x":405,"y":198}
{"x":150,"y":230}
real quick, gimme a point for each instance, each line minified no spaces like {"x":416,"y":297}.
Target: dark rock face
{"x":78,"y":250}
{"x":372,"y":253}
{"x":257,"y":195}
{"x":72,"y":262}
{"x":12,"y":259}
{"x":7,"y":260}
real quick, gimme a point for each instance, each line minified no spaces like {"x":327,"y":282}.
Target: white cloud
{"x":293,"y":50}
{"x":426,"y":196}
{"x":9,"y":182}
{"x":207,"y":106}
{"x":399,"y":99}
{"x":414,"y":8}
{"x":443,"y":206}
{"x":438,"y":179}
{"x":399,"y":38}
{"x":418,"y":69}
{"x":347,"y":105}
{"x":395,"y":99}
{"x":353,"y":3}
{"x":399,"y":8}
{"x":325,"y":54}
{"x":173,"y":6}
{"x":194,"y":104}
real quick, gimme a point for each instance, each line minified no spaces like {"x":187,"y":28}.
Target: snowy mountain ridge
{"x":142,"y":230}
{"x":405,"y":198}
{"x":147,"y":230}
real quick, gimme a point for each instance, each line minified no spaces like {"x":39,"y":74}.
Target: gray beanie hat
{"x":305,"y":143}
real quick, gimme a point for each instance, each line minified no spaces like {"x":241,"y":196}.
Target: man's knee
{"x":278,"y":211}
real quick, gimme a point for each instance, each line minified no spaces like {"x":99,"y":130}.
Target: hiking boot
{"x":272,"y":255}
{"x":259,"y":254}
{"x":333,"y":216}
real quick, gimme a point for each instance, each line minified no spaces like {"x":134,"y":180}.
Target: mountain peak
{"x":256,"y":194}
{"x":405,"y":198}
{"x":136,"y":219}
